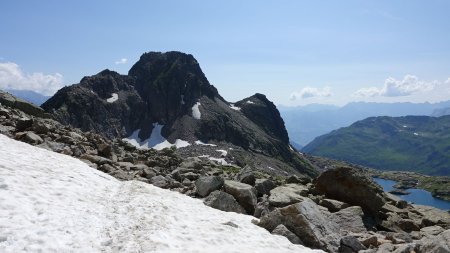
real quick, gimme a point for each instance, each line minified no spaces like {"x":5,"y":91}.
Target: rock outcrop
{"x":351,"y":186}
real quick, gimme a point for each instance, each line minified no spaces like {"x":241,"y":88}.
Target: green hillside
{"x":412,"y":143}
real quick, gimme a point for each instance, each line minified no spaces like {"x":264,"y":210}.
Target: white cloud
{"x":396,"y":88}
{"x":121,"y":61}
{"x":448,"y":81}
{"x":12,"y":77}
{"x":310,"y":92}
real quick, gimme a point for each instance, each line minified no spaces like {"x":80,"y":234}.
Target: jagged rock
{"x":283,"y":231}
{"x":96,"y":159}
{"x":262,"y":207}
{"x":350,"y":244}
{"x":160,"y":181}
{"x":104,"y":149}
{"x":439,"y":243}
{"x":264,"y":186}
{"x":333,"y":205}
{"x":351,"y":186}
{"x":350,"y":219}
{"x":369,"y":241}
{"x":432,"y":216}
{"x":148,"y":173}
{"x":399,"y":238}
{"x":295,"y":179}
{"x":223,"y":201}
{"x":401,"y":204}
{"x":306,"y":221}
{"x":247,"y":176}
{"x":31,"y":137}
{"x":431,"y":231}
{"x":40,"y":127}
{"x":206,"y":185}
{"x":190,"y":175}
{"x":287,"y":194}
{"x":106,"y":168}
{"x":406,"y":248}
{"x":245,"y":194}
{"x":408,"y":225}
{"x":23,"y":124}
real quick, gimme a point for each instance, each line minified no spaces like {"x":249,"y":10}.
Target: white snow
{"x":182,"y":99}
{"x":405,"y":126}
{"x":223,"y":153}
{"x":155,"y":141}
{"x":205,"y":144}
{"x":196,"y":111}
{"x":416,"y":134}
{"x":113,"y":98}
{"x":51,"y":202}
{"x":220,"y":161}
{"x":235,"y":107}
{"x":250,"y":102}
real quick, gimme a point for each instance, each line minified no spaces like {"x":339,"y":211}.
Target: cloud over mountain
{"x":310,"y":92}
{"x":395,"y":88}
{"x":13,"y":77}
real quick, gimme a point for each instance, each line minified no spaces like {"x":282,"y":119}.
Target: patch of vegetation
{"x":411,"y":143}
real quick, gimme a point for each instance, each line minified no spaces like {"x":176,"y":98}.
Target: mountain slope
{"x":308,"y":122}
{"x":413,"y":143}
{"x":30,"y":96}
{"x":55,"y":203}
{"x":166,"y":99}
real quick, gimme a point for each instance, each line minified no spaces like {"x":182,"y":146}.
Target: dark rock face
{"x":85,"y":105}
{"x":258,"y":109}
{"x":163,"y":88}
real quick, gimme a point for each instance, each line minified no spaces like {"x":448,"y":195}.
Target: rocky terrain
{"x":342,"y":210}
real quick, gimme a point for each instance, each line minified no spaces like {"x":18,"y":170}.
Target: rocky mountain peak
{"x":166,"y":98}
{"x":264,"y":113}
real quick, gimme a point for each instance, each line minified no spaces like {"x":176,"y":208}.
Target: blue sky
{"x":295,"y":52}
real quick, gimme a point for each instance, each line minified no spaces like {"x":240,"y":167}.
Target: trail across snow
{"x":55,"y":203}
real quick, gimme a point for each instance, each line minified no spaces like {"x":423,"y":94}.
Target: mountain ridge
{"x":409,"y":143}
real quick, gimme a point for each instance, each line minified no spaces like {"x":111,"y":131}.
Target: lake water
{"x":416,"y":196}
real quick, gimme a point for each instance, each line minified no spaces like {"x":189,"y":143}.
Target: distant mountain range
{"x":308,"y":122}
{"x":29,"y":96}
{"x":413,"y":143}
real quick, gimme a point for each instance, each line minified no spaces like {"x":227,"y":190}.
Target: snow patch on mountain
{"x":114,"y":97}
{"x":155,"y":141}
{"x":196,"y":111}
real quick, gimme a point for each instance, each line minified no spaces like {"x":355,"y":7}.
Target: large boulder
{"x":223,"y":201}
{"x":333,"y":205}
{"x":351,"y":186}
{"x":283,"y":231}
{"x":245,"y":194}
{"x":306,"y":221}
{"x":287,"y":194}
{"x":350,"y":219}
{"x":206,"y":185}
{"x":439,"y":243}
{"x":264,"y":186}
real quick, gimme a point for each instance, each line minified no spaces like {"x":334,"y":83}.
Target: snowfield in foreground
{"x":55,"y":203}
